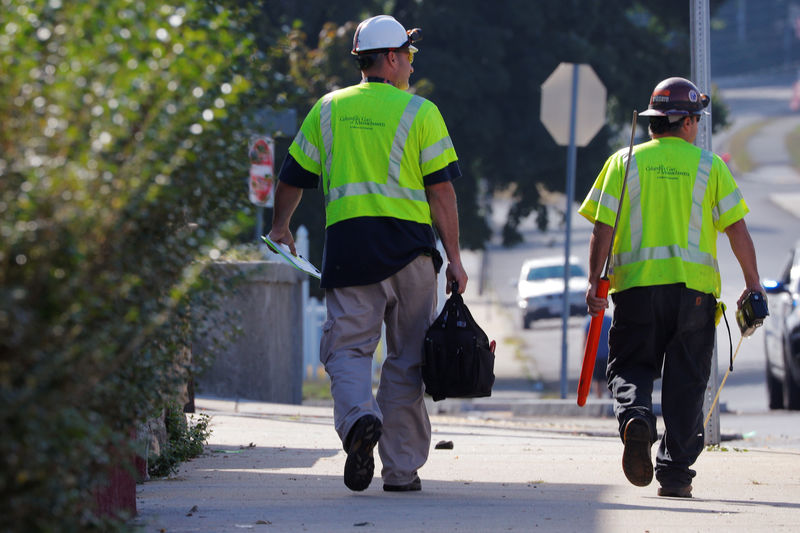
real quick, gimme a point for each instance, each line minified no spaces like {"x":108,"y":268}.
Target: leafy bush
{"x":122,"y":164}
{"x":185,"y":440}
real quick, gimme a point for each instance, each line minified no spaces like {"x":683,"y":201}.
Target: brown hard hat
{"x":676,"y":96}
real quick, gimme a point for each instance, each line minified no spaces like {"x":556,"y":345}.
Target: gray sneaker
{"x":412,"y":486}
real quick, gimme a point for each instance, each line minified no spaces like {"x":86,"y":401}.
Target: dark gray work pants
{"x":663,"y":331}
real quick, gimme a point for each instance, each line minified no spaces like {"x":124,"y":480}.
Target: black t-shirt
{"x":365,"y":250}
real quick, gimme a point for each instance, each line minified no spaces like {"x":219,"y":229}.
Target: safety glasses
{"x":403,"y":50}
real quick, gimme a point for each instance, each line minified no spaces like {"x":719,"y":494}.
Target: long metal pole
{"x":571,"y":157}
{"x":701,"y":75}
{"x":701,"y":64}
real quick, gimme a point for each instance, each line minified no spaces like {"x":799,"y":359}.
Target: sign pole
{"x":563,"y":93}
{"x":261,"y":182}
{"x":571,"y":163}
{"x":259,"y":223}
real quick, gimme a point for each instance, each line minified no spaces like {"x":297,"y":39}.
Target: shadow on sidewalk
{"x":233,"y":499}
{"x":270,"y":456}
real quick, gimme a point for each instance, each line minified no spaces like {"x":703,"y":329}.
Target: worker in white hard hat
{"x":382,"y":35}
{"x":386,"y":164}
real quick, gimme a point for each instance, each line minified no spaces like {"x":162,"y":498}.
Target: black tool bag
{"x":459,"y":361}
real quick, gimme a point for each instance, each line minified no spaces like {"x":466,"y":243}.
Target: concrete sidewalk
{"x":278,"y":468}
{"x":518,"y":463}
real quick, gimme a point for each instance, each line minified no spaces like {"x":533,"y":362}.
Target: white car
{"x":540,"y":289}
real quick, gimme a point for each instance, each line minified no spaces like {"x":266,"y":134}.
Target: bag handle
{"x":455,"y":298}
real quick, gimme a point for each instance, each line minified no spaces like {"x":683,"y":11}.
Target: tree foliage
{"x":487,"y":66}
{"x":483,"y":65}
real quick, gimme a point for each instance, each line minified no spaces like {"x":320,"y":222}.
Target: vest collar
{"x":375,"y":79}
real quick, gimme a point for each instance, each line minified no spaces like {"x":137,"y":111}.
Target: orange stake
{"x":592,"y":340}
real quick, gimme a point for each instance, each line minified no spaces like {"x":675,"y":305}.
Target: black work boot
{"x":636,"y":461}
{"x":360,"y":465}
{"x":684,"y":491}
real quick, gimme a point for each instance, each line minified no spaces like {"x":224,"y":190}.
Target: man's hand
{"x":455,"y":272}
{"x":283,"y":236}
{"x":594,"y":304}
{"x":747,"y":292}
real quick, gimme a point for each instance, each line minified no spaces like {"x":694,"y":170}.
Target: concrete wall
{"x":265,"y":362}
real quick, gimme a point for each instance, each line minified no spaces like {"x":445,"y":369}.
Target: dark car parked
{"x":782,"y":335}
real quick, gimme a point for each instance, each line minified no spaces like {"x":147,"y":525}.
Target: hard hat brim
{"x":652,"y":113}
{"x":658,"y":113}
{"x":411,"y":48}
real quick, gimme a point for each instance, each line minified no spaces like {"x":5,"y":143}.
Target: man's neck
{"x":678,"y":135}
{"x":379,"y":74}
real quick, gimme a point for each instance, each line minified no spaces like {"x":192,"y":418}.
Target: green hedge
{"x":123,"y":157}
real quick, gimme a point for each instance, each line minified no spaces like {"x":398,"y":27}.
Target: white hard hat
{"x":383,"y":33}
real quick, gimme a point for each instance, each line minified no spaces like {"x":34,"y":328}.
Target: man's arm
{"x":442,"y":200}
{"x":287,"y":198}
{"x":598,"y":252}
{"x":745,"y":252}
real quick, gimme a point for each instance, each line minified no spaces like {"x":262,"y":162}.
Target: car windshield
{"x":554,"y":271}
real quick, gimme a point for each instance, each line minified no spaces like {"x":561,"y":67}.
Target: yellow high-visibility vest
{"x":372,"y":144}
{"x":678,"y":197}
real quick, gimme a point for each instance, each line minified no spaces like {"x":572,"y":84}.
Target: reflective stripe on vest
{"x":699,"y":191}
{"x":311,"y":151}
{"x":389,"y":190}
{"x":435,"y":150}
{"x":327,"y":135}
{"x":400,"y":138}
{"x":392,"y":187}
{"x":690,"y":254}
{"x":729,"y":202}
{"x":606,"y":200}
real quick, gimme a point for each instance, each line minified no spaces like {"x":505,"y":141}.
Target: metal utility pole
{"x":701,"y":63}
{"x":700,"y":22}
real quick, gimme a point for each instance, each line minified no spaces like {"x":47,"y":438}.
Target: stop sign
{"x":557,"y":103}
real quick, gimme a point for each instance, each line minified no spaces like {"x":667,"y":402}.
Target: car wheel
{"x":791,"y":392}
{"x":526,"y":322}
{"x":774,"y":390}
{"x":791,"y":387}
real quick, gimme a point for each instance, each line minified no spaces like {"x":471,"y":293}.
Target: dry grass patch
{"x":740,"y":157}
{"x":793,"y":147}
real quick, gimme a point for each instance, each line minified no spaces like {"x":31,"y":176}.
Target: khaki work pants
{"x":406,"y":302}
